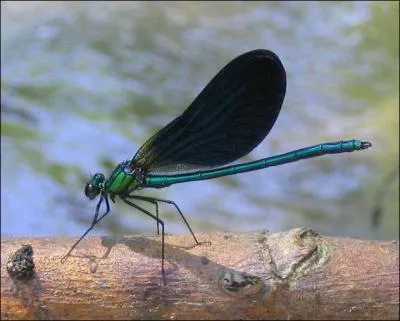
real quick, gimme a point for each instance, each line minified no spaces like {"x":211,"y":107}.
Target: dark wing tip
{"x":262,"y":53}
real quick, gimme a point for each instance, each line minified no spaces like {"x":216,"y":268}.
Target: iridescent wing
{"x":227,"y":120}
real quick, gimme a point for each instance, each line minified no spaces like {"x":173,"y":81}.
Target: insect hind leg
{"x":154,"y":200}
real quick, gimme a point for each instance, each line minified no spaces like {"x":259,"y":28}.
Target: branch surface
{"x":296,"y":274}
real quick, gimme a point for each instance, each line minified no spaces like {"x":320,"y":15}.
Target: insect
{"x":227,"y":120}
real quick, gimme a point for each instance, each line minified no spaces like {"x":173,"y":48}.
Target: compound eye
{"x":98,"y":177}
{"x":91,"y":191}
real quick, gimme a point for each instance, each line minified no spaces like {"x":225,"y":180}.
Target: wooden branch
{"x":296,"y":274}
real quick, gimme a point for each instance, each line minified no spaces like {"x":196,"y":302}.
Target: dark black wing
{"x":229,"y":118}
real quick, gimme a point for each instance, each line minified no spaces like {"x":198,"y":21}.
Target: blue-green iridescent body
{"x":293,"y":156}
{"x":126,"y":178}
{"x":123,"y":180}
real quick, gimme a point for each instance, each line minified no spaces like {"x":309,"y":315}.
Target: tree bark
{"x":296,"y":274}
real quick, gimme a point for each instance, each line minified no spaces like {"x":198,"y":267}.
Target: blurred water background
{"x":84,"y":84}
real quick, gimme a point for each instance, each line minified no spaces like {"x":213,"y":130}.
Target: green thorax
{"x":124,"y":179}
